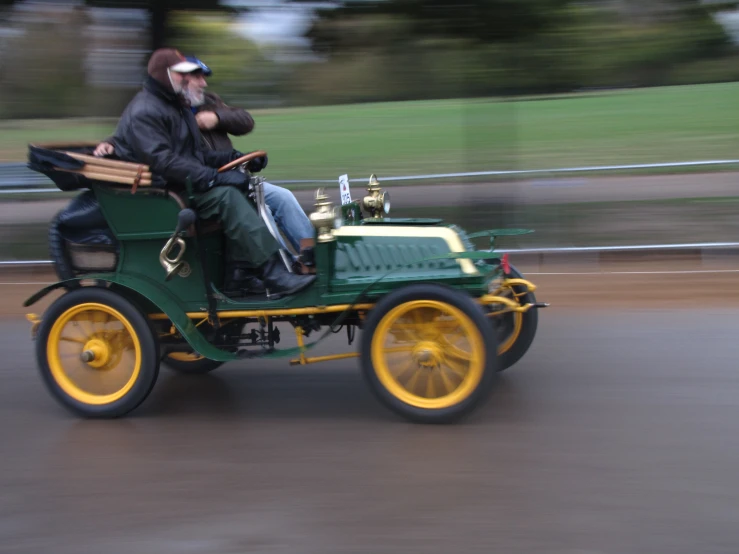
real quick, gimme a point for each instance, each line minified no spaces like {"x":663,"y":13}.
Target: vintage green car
{"x":142,"y":286}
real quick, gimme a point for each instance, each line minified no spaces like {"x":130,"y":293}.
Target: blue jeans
{"x":288,"y":214}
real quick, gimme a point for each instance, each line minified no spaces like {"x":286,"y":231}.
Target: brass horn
{"x":172,"y":266}
{"x":185,"y":218}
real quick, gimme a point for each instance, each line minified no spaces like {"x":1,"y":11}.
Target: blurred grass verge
{"x":639,"y":126}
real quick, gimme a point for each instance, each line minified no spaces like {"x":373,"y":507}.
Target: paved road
{"x":537,"y":191}
{"x":617,"y":434}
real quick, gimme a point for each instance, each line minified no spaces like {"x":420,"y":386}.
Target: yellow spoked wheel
{"x":429,"y":353}
{"x":187,"y":357}
{"x":515,"y":331}
{"x":96,"y":352}
{"x":190,"y":363}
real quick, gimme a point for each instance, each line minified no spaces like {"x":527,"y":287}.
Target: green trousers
{"x":249,"y":242}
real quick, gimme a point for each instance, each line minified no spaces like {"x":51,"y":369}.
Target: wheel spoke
{"x":71,"y":339}
{"x":398,"y":349}
{"x":402,"y":332}
{"x":424,"y":319}
{"x":99,"y":320}
{"x":120,"y":340}
{"x":454,"y":336}
{"x":413,"y":327}
{"x":430,"y":389}
{"x":411,"y":385}
{"x":455,"y":352}
{"x":91,"y":319}
{"x":460,"y":370}
{"x":448,"y":385}
{"x":129,"y":357}
{"x":83,"y":324}
{"x":406,"y":373}
{"x":77,"y":329}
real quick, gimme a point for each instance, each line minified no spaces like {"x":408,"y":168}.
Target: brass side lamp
{"x":325,"y":218}
{"x":377,"y":202}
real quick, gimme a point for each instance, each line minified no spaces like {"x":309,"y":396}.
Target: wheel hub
{"x":427,"y":354}
{"x":96,"y":353}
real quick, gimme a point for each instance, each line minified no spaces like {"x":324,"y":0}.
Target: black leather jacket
{"x":159,"y":130}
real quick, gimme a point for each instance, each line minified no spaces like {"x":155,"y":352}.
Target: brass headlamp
{"x":324,"y":219}
{"x":377,"y":202}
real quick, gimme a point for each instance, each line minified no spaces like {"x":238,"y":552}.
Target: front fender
{"x":493,"y":233}
{"x":160,"y":297}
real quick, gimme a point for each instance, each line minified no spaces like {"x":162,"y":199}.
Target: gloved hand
{"x":257,"y":164}
{"x":232,"y":179}
{"x":235,"y":155}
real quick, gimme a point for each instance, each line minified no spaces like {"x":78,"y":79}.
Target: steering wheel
{"x":242,"y":160}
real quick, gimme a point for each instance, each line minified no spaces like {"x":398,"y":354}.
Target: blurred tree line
{"x":408,"y":49}
{"x":65,"y":63}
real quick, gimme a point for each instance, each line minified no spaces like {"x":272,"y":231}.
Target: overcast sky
{"x":276,"y":21}
{"x":268,"y":25}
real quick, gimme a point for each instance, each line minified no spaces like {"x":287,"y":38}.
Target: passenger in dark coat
{"x":158,"y":128}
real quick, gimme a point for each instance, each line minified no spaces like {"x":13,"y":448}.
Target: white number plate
{"x":346,"y":196}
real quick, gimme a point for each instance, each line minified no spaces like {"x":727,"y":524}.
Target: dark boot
{"x":279,"y":281}
{"x":242,"y":282}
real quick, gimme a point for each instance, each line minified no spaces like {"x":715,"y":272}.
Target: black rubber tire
{"x":149,"y":369}
{"x":467,"y":306}
{"x":196,"y":367}
{"x":528,"y":329}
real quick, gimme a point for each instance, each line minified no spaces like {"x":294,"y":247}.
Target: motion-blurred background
{"x":406,"y":88}
{"x":579,"y":119}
